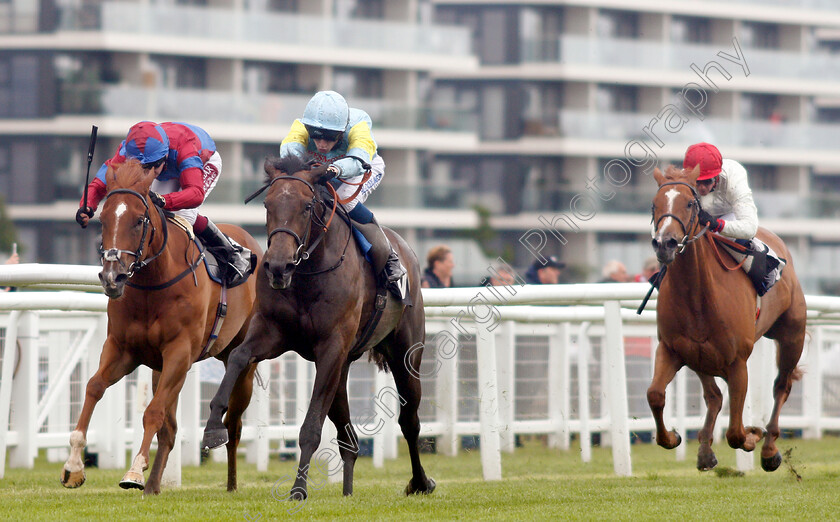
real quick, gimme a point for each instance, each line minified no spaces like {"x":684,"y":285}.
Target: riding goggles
{"x":323,"y":134}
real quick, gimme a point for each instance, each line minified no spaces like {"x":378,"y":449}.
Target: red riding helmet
{"x":707,"y":156}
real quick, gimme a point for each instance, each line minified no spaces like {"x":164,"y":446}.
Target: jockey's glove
{"x":83,"y":211}
{"x":715,"y":224}
{"x":157,"y":199}
{"x":334,"y":171}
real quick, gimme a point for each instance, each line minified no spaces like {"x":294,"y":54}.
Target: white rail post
{"x":379,"y":418}
{"x":447,"y":389}
{"x":559,"y":387}
{"x":812,"y":385}
{"x":171,"y":476}
{"x":258,"y":417}
{"x":108,"y":420}
{"x":58,"y":420}
{"x":584,"y":354}
{"x":506,"y":354}
{"x":6,"y":376}
{"x":488,"y":403}
{"x":25,"y":392}
{"x":617,"y":388}
{"x":190,"y":429}
{"x":680,"y":401}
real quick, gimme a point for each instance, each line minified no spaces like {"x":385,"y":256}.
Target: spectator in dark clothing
{"x":438,"y":273}
{"x":547,"y":273}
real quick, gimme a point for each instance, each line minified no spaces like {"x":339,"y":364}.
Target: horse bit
{"x":695,"y":210}
{"x":114,"y":254}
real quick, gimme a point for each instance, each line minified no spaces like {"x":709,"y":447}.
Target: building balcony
{"x":263,"y":27}
{"x":196,"y":105}
{"x":678,"y":57}
{"x":722,"y":131}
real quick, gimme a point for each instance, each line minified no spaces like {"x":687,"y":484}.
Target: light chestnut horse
{"x":161,"y":313}
{"x":706,"y":320}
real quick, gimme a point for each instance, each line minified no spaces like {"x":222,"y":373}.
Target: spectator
{"x":501,"y":275}
{"x":650,"y":267}
{"x":614,"y":272}
{"x":13,"y":260}
{"x":438,"y":273}
{"x":547,"y":273}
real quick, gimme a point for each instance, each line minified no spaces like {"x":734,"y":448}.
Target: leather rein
{"x":115,"y":254}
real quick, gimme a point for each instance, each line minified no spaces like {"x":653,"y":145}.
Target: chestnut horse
{"x":706,"y":320}
{"x":315,"y":295}
{"x":162,"y":320}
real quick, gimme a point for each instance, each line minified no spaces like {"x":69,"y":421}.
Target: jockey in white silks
{"x":728,"y":209}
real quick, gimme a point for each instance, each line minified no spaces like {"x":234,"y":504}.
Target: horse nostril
{"x":121,"y":278}
{"x":655,"y":243}
{"x":671,"y":243}
{"x":289,"y":268}
{"x":266,"y":266}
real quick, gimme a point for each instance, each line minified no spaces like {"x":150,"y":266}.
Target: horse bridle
{"x":115,"y":254}
{"x":304,"y":248}
{"x":691,"y":222}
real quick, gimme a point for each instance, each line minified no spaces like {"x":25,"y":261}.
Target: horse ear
{"x":658,"y":176}
{"x":693,"y":173}
{"x":270,"y":167}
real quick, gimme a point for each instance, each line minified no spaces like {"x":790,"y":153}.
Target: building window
{"x":618,"y":24}
{"x":358,"y":83}
{"x":690,"y":29}
{"x":761,"y":36}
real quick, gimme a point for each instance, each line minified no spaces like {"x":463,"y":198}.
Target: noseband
{"x":695,"y":210}
{"x":115,"y":254}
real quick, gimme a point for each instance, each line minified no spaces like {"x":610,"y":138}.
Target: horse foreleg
{"x":706,"y":459}
{"x":737,"y":436}
{"x":165,"y":435}
{"x":113,"y":366}
{"x":327,"y":377}
{"x":348,"y":441}
{"x":666,"y":366}
{"x":409,"y":390}
{"x":239,"y":400}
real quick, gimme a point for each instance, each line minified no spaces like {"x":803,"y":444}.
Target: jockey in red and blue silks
{"x":187,"y":167}
{"x":331,"y":132}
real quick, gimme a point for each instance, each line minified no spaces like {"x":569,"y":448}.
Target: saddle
{"x":216,"y":269}
{"x":762,"y":265}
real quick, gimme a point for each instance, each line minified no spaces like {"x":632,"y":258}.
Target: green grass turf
{"x":538,"y":484}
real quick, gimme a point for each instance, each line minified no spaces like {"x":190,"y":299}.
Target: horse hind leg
{"x":238,"y":403}
{"x":789,"y":352}
{"x":665,"y":368}
{"x":706,"y":459}
{"x":406,"y":370}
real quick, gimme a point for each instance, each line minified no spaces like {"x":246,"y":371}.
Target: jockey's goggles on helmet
{"x":323,"y":134}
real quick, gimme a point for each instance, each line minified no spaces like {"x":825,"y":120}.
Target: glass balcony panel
{"x":265,"y":27}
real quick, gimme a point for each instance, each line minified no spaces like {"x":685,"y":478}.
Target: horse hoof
{"x":773,"y":463}
{"x":132,"y":480}
{"x":214,"y":438}
{"x":706,"y":464}
{"x":74,"y":479}
{"x":429,"y":487}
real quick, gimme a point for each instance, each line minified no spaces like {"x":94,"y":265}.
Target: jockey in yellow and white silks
{"x":330,"y":132}
{"x":728,"y":208}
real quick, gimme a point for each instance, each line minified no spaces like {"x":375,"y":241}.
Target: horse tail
{"x":379,"y":359}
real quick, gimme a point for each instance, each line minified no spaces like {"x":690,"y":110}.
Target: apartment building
{"x":577,"y":100}
{"x":546,"y":116}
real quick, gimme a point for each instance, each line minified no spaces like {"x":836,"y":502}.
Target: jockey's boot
{"x":385,"y":260}
{"x":226,"y":250}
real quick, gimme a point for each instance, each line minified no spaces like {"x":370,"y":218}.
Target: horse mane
{"x":674,"y":173}
{"x":126,"y":175}
{"x":288,"y":164}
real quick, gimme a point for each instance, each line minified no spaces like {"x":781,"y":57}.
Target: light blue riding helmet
{"x":327,"y":110}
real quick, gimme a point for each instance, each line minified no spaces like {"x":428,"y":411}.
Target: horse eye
{"x":308,"y":207}
{"x":139,"y":221}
